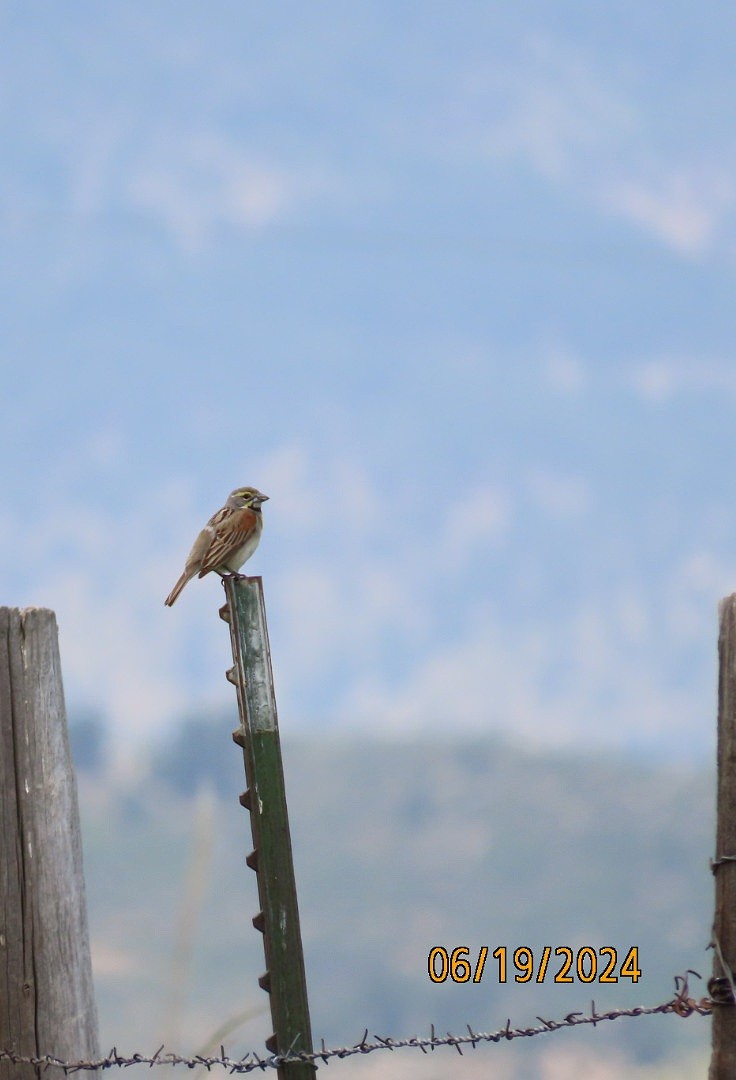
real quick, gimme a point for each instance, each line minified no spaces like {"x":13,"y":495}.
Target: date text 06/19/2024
{"x":561,"y":965}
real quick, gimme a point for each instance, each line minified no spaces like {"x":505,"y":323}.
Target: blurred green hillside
{"x":398,"y":846}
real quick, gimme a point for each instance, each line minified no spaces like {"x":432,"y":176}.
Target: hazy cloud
{"x":663,"y":378}
{"x":194,"y":184}
{"x":684,"y":209}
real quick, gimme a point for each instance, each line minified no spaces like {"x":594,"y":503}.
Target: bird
{"x":228,"y":539}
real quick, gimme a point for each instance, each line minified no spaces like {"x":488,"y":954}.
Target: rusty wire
{"x":682,"y":1004}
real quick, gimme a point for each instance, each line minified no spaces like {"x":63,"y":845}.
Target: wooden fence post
{"x":723,"y":1058}
{"x":258,"y":735}
{"x":47,"y":1001}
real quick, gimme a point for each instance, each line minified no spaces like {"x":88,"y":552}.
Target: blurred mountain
{"x":398,"y":847}
{"x":88,"y":737}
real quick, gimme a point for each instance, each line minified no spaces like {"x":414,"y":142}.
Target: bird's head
{"x":247,"y":496}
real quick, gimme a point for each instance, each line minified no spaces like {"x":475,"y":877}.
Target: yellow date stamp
{"x":559,"y":965}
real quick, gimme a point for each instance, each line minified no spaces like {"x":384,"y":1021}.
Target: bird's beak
{"x":262,"y":498}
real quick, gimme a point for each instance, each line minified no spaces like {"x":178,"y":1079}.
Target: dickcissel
{"x":228,"y":539}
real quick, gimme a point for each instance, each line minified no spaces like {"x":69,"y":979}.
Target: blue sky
{"x":453,"y":284}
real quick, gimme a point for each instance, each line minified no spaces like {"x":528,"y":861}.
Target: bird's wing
{"x":203,"y":543}
{"x":233,"y":530}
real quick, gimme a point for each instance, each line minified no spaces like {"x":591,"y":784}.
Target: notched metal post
{"x":271,"y":859}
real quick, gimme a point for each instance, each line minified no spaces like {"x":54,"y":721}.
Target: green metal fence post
{"x":258,"y":735}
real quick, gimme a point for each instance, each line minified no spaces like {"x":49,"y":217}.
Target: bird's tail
{"x":171,"y":598}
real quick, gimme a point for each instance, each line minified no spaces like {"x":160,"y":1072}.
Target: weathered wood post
{"x":721,"y":986}
{"x":47,"y":1003}
{"x":271,"y":858}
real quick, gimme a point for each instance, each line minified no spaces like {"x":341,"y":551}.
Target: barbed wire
{"x":682,"y":1004}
